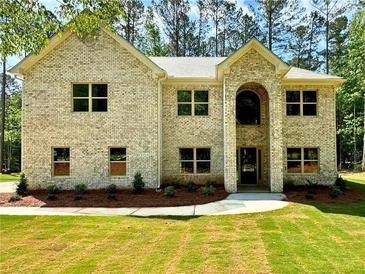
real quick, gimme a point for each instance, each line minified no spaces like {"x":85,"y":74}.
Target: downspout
{"x":159,"y":129}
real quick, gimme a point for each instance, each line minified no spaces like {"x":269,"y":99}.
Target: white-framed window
{"x":90,"y":97}
{"x":301,"y":103}
{"x":117,"y":161}
{"x":60,"y":161}
{"x":192,"y":102}
{"x":303,"y":160}
{"x":195,"y":160}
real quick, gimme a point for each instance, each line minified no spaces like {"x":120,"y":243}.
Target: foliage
{"x":169,"y":191}
{"x":111,"y":190}
{"x":15,"y":197}
{"x":138,"y":183}
{"x":25,"y":26}
{"x":85,"y":18}
{"x":151,"y":42}
{"x":22,"y":187}
{"x":208,"y":190}
{"x":192,"y":187}
{"x":53,"y":190}
{"x":289,"y":184}
{"x":335,"y":192}
{"x":80,"y":190}
{"x":341,"y":183}
{"x":129,"y":25}
{"x":311,"y":187}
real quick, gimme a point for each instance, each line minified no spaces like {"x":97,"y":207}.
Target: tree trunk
{"x":355,"y":150}
{"x":2,"y":117}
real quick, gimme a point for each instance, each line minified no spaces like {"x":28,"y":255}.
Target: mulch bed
{"x":124,"y":198}
{"x":297,"y":195}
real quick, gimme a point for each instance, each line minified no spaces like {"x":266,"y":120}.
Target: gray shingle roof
{"x":188,"y":66}
{"x":205,"y":67}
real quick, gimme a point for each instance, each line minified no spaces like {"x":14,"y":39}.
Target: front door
{"x":248,"y":165}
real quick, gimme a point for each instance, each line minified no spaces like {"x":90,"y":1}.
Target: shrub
{"x":138,"y":183}
{"x":192,"y":187}
{"x":335,"y":192}
{"x":15,"y":198}
{"x":208,"y":190}
{"x":310,"y":196}
{"x":211,"y":183}
{"x":22,"y":187}
{"x":169,"y":191}
{"x":111,"y":190}
{"x":80,"y":190}
{"x":289,"y":185}
{"x":53,"y":190}
{"x":311,"y":187}
{"x":341,"y":183}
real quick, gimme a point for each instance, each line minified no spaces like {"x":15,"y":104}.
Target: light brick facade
{"x":142,"y":116}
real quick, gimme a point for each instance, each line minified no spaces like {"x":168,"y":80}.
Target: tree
{"x":174,"y":14}
{"x":25,"y":26}
{"x":315,"y":23}
{"x":151,"y":42}
{"x":330,"y":9}
{"x":85,"y":18}
{"x":277,"y":17}
{"x":216,"y":11}
{"x":350,"y":97}
{"x":129,"y":28}
{"x":299,"y":45}
{"x":201,"y":48}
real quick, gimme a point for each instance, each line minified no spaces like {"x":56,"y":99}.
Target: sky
{"x":244,"y":4}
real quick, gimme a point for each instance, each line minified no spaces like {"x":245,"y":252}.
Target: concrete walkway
{"x":236,"y":203}
{"x":8,"y":187}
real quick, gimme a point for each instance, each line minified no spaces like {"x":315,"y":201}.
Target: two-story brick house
{"x":98,"y":112}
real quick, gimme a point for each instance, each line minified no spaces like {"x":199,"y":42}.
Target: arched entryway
{"x":252,"y":136}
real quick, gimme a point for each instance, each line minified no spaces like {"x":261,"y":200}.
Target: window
{"x":192,"y":102}
{"x":247,"y":108}
{"x":195,"y":160}
{"x":90,"y":97}
{"x":117,"y":161}
{"x":301,"y":103}
{"x":302,"y":160}
{"x":61,"y":161}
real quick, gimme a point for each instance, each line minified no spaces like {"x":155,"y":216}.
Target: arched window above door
{"x":247,"y":108}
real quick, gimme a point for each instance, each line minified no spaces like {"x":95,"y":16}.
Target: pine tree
{"x":277,"y":17}
{"x":129,"y":26}
{"x":151,"y":42}
{"x":174,"y":14}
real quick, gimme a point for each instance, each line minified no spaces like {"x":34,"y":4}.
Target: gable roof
{"x":280,"y":66}
{"x":32,"y":59}
{"x":297,"y":74}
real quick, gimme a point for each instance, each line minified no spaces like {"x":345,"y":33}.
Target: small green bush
{"x":341,"y":183}
{"x":80,"y":190}
{"x":15,"y":198}
{"x":335,"y":192}
{"x":211,"y":183}
{"x":192,"y":187}
{"x":53,"y":190}
{"x":208,"y":190}
{"x":311,"y":187}
{"x":289,"y":185}
{"x":22,"y":187}
{"x":112,"y":190}
{"x":138,"y":183}
{"x":169,"y":191}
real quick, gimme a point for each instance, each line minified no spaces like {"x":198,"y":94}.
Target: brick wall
{"x":131,"y":120}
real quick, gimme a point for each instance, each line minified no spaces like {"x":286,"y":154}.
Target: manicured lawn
{"x":319,"y":238}
{"x":9,"y":177}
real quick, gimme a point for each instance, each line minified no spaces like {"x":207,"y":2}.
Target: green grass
{"x":318,"y":238}
{"x":9,"y":177}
